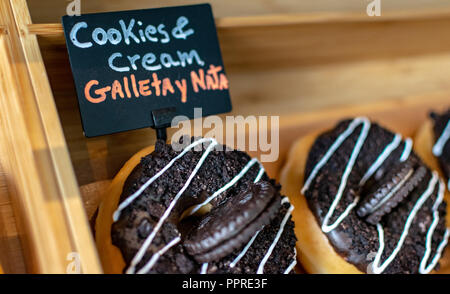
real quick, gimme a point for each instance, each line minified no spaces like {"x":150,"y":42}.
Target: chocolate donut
{"x":374,"y":206}
{"x":201,"y":210}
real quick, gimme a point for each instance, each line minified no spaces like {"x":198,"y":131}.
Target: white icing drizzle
{"x":285,"y":200}
{"x":204,"y":269}
{"x":141,"y":252}
{"x":148,"y":266}
{"x":260,"y":173}
{"x":407,"y":150}
{"x":439,"y":251}
{"x":242,"y":253}
{"x":381,"y":158}
{"x":352,"y":126}
{"x":292,"y":265}
{"x":359,"y":143}
{"x":423,"y":268}
{"x":376,"y":267}
{"x":440,"y":143}
{"x":275,"y":241}
{"x":228,"y":185}
{"x":136,"y":194}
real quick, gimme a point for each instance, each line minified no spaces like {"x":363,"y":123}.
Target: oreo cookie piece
{"x":155,"y":236}
{"x":233,"y":222}
{"x":256,"y":256}
{"x":441,"y":148}
{"x":393,"y":188}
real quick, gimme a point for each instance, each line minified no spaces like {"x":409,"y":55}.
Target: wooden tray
{"x":333,"y":65}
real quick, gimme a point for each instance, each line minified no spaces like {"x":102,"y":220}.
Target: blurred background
{"x":52,"y":10}
{"x":325,"y":44}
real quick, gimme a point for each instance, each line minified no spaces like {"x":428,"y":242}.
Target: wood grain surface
{"x":45,"y":11}
{"x":46,"y":198}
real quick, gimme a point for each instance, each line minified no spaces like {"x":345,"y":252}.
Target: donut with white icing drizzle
{"x":338,"y":170}
{"x":168,"y":191}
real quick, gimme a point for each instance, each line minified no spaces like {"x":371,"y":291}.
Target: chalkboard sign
{"x":127,"y":64}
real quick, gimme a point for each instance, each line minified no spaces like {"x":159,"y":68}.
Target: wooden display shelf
{"x":38,"y":171}
{"x":280,"y":20}
{"x":311,"y":69}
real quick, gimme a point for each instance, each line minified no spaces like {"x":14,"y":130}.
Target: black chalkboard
{"x":127,"y":64}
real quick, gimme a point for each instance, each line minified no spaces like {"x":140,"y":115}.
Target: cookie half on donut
{"x":196,"y":209}
{"x":365,"y":202}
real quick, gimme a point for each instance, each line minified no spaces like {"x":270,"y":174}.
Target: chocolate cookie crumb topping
{"x":155,"y":236}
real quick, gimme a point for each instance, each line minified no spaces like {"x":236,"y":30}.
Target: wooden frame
{"x":46,"y":194}
{"x":277,"y":20}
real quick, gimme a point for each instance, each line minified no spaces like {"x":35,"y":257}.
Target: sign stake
{"x":162,"y":119}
